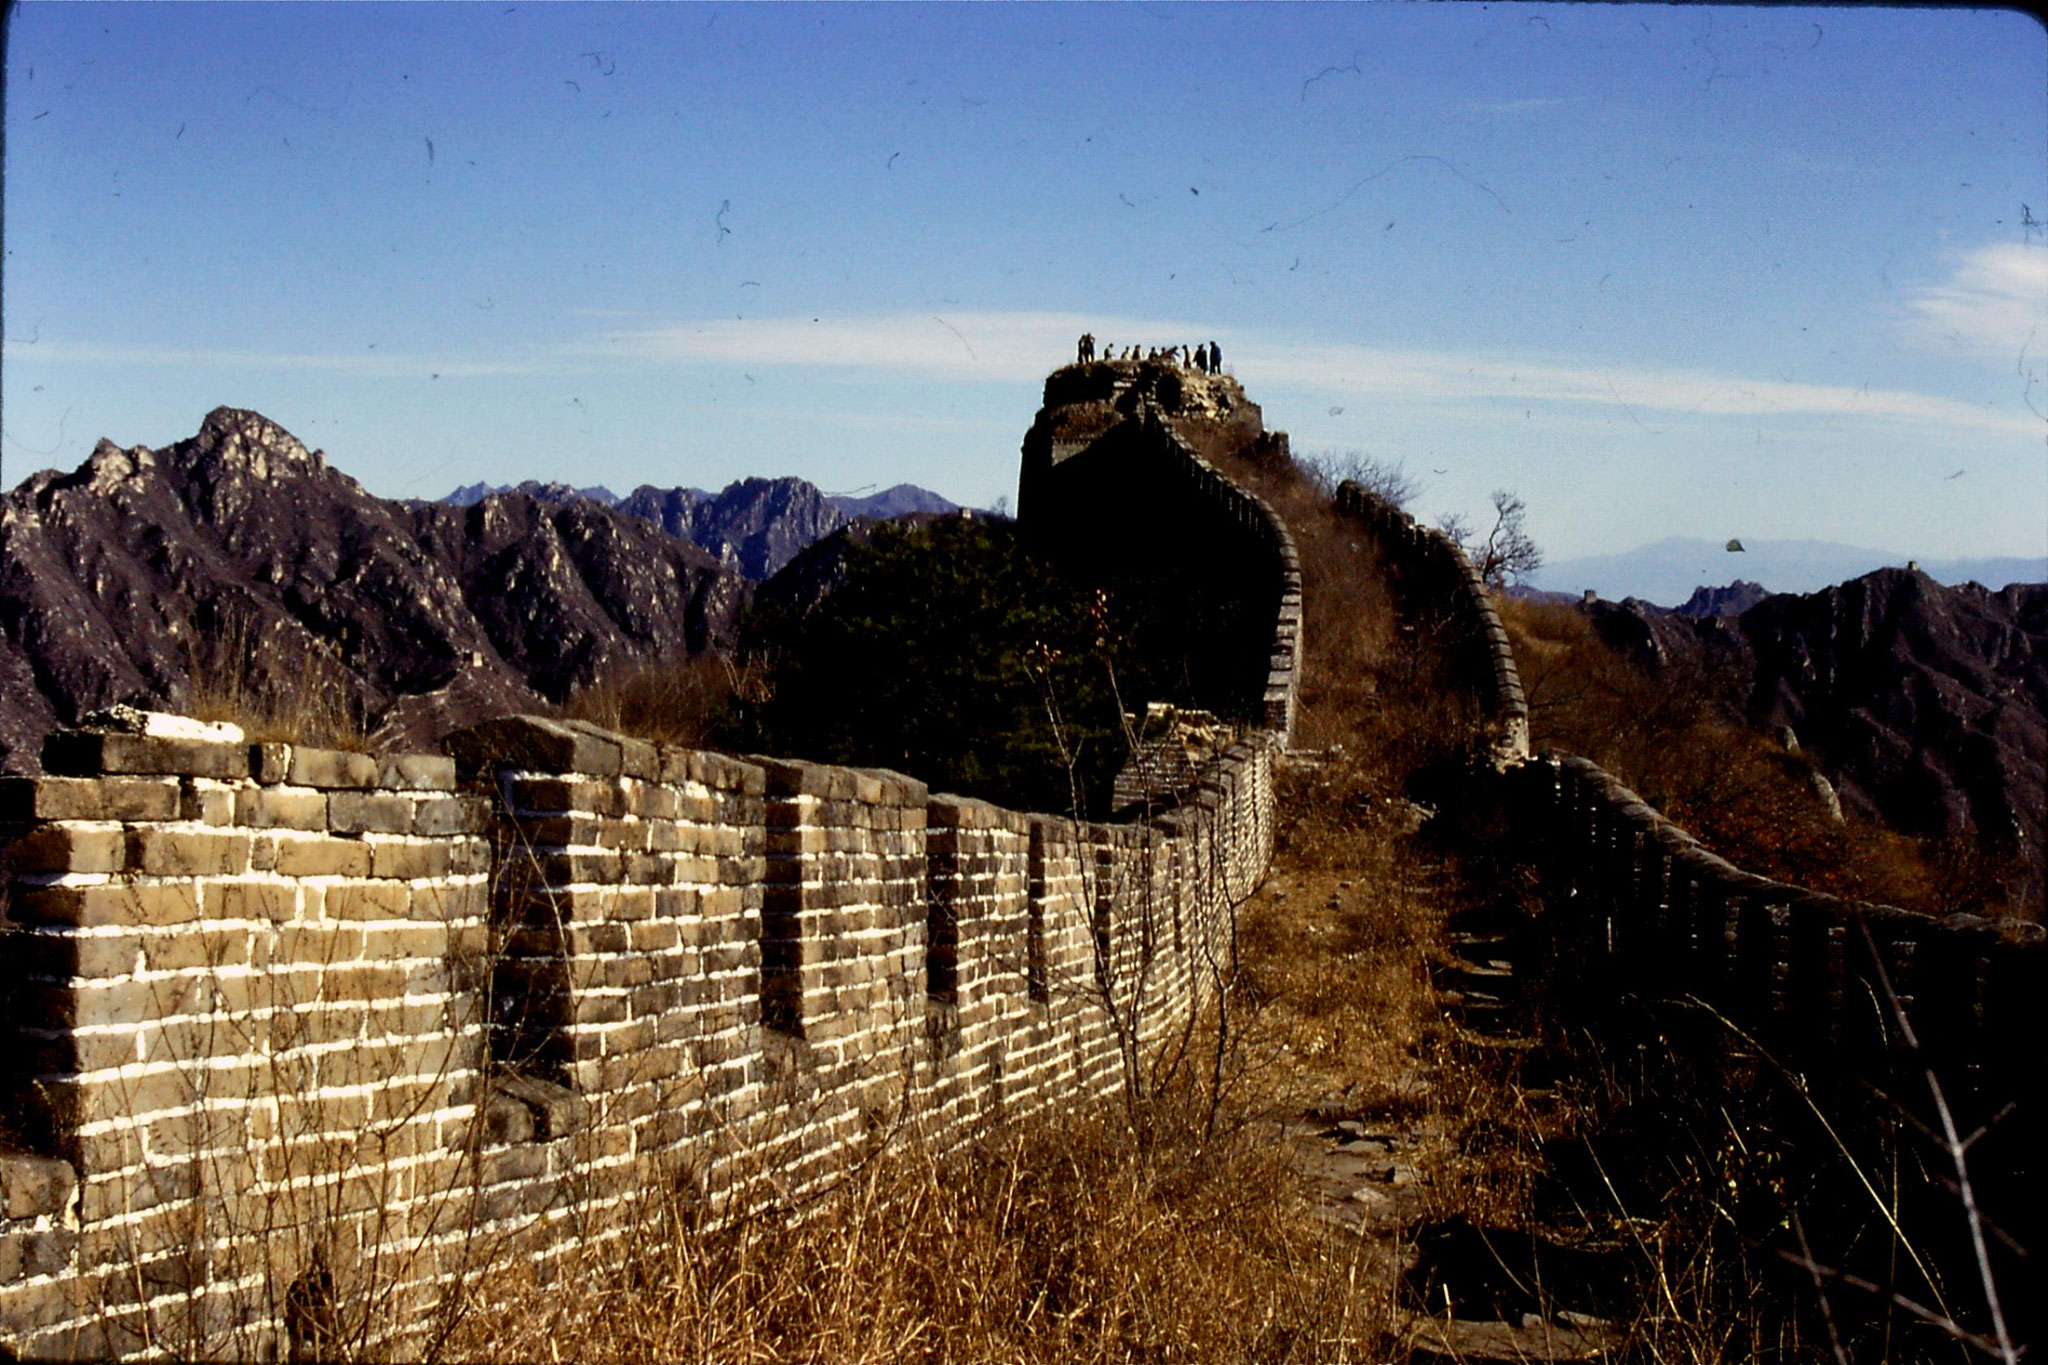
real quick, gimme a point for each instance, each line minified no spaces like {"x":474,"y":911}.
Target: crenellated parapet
{"x":1802,"y":972}
{"x":1638,"y":907}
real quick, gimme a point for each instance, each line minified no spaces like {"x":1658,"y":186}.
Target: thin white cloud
{"x":1994,"y":299}
{"x":1020,"y":347}
{"x":1002,"y":347}
{"x":1647,"y":395}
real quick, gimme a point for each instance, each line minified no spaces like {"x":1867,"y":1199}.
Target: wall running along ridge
{"x":1437,"y":567}
{"x":1640,"y":906}
{"x":1134,"y":505}
{"x":300,"y":1045}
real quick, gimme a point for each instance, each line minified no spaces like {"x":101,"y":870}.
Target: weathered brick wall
{"x":297,"y":1046}
{"x":240,"y":1012}
{"x":300,"y":1042}
{"x":1137,"y":502}
{"x":1798,"y":971}
{"x":1652,"y":911}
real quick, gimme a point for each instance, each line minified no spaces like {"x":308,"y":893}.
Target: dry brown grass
{"x":283,"y":685}
{"x":1062,"y":1240}
{"x":682,"y":702}
{"x":1728,"y":785}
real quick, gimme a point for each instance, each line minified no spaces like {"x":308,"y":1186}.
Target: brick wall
{"x":297,"y":1042}
{"x":1798,"y":971}
{"x":241,"y":1017}
{"x":297,"y":1045}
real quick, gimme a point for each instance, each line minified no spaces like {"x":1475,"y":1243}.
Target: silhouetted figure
{"x":1215,"y":358}
{"x":1202,"y":360}
{"x":1087,"y":347}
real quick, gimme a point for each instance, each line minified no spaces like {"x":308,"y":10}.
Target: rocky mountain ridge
{"x":753,"y":525}
{"x":240,"y":568}
{"x":1926,"y":705}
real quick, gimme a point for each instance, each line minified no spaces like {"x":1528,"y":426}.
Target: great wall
{"x":299,"y":1042}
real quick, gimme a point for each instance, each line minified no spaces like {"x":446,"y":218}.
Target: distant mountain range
{"x":240,"y":565}
{"x":754,"y":526}
{"x":1668,"y":571}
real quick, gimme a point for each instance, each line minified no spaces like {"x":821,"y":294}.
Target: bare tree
{"x":1508,"y":553}
{"x":1390,"y":482}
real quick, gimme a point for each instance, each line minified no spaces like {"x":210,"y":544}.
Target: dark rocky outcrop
{"x":1733,"y":600}
{"x":1926,"y":705}
{"x":241,"y":565}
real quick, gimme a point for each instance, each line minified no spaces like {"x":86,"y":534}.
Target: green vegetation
{"x":954,"y":654}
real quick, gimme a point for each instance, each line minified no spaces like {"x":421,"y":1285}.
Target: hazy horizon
{"x":1665,"y":271}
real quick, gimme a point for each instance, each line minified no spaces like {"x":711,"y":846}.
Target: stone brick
{"x":557,"y":1111}
{"x":506,"y":1120}
{"x":441,"y":815}
{"x":274,"y":808}
{"x":274,"y":902}
{"x":417,"y":772}
{"x":524,"y":1162}
{"x":358,"y":812}
{"x":270,"y":763}
{"x":86,"y":798}
{"x":24,"y":1252}
{"x":31,"y":1186}
{"x":405,"y":941}
{"x":323,"y":857}
{"x":170,"y":852}
{"x":723,"y":773}
{"x":66,"y":848}
{"x":86,"y":753}
{"x":637,"y":758}
{"x":330,"y":768}
{"x":204,"y":801}
{"x":446,"y":904}
{"x":549,"y":795}
{"x":786,"y":777}
{"x":367,"y":900}
{"x":410,"y":860}
{"x":108,"y":903}
{"x":534,"y":742}
{"x":210,"y":948}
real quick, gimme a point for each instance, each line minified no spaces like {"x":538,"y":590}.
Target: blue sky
{"x":1664,"y":271}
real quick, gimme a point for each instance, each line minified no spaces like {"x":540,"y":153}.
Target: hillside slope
{"x":241,"y":567}
{"x":1926,"y":705}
